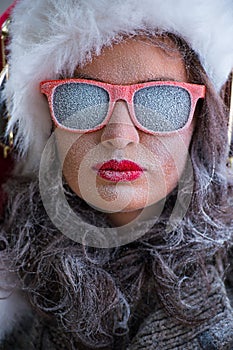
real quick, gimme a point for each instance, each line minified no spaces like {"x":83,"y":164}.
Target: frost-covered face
{"x":119,"y":168}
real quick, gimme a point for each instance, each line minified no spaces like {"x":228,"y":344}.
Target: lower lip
{"x":123,"y":171}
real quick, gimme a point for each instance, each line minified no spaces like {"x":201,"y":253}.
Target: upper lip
{"x":116,"y":165}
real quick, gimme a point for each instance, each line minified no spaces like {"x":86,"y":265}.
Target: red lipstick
{"x":124,"y":170}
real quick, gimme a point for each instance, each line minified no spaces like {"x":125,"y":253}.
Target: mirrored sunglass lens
{"x":162,"y":108}
{"x":79,"y":105}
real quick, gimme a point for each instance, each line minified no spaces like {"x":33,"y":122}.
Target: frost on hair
{"x":96,"y":294}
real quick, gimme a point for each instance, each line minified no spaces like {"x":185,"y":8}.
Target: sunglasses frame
{"x":125,"y":93}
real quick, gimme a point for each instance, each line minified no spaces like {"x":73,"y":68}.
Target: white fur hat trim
{"x":51,"y":36}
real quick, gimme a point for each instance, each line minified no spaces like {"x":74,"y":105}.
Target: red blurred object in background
{"x":6,"y":162}
{"x":3,"y":18}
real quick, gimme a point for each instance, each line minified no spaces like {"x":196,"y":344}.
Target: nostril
{"x":119,"y":135}
{"x":117,"y":143}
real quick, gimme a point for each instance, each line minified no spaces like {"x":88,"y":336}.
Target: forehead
{"x":136,"y":60}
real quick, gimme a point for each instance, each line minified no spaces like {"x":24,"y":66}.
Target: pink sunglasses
{"x":160,"y":107}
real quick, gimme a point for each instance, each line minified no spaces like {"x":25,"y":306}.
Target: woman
{"x":119,"y":218}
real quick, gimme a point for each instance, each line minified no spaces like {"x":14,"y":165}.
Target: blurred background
{"x":4,"y":4}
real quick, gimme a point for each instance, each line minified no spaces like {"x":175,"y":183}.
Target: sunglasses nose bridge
{"x":121,"y":93}
{"x":120,"y":130}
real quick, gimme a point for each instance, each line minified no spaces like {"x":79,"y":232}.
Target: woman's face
{"x":161,"y":158}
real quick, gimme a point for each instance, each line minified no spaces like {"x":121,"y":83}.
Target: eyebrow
{"x":87,"y":77}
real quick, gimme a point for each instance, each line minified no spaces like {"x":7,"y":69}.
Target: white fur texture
{"x":11,"y":310}
{"x":51,"y":37}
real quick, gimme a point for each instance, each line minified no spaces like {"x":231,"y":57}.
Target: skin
{"x":162,"y":157}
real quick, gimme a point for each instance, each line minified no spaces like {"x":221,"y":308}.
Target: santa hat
{"x":50,"y":37}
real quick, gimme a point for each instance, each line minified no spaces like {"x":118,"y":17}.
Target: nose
{"x":120,"y":130}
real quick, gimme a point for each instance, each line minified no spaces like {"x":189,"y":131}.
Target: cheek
{"x":71,"y":167}
{"x":72,"y":149}
{"x":171,"y":153}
